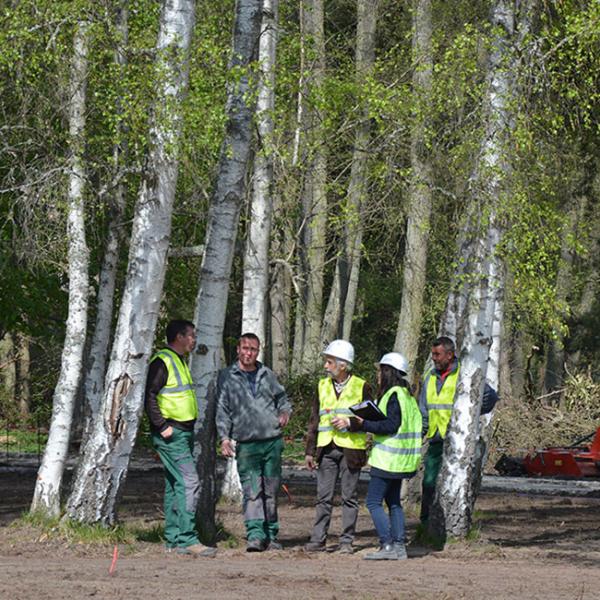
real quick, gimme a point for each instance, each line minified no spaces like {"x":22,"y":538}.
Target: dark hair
{"x":176,"y":327}
{"x":250,"y":336}
{"x":446,"y":342}
{"x":390,"y":378}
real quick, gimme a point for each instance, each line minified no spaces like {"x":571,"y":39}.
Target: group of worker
{"x":252,"y":409}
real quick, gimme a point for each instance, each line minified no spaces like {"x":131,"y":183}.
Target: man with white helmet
{"x":336,"y":452}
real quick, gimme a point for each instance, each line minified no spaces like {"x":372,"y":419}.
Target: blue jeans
{"x":389,"y":528}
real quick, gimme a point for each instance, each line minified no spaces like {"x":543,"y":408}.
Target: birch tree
{"x":223,"y":217}
{"x":105,"y":457}
{"x":98,"y":353}
{"x":46,"y":495}
{"x":256,"y":258}
{"x":342,"y":298}
{"x":456,"y":490}
{"x":420,"y":191}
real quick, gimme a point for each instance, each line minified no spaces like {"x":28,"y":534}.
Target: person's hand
{"x":309,"y":461}
{"x":227,"y":448}
{"x":340,"y":422}
{"x":283,"y":419}
{"x":166,"y":433}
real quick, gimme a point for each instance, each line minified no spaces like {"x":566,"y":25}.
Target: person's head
{"x":247,"y":351}
{"x":442,"y":353}
{"x":181,"y":335}
{"x":339,"y":356}
{"x":392,"y":369}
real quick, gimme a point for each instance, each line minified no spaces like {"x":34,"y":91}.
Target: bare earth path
{"x":529,"y":547}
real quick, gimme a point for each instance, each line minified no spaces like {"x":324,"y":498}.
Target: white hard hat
{"x":396,"y":360}
{"x":340,"y":349}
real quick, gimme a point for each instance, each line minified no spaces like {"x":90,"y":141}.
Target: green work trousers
{"x":432,"y":463}
{"x":182,"y":487}
{"x":259,"y":466}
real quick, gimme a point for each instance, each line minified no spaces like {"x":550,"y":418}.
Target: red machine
{"x":572,"y":461}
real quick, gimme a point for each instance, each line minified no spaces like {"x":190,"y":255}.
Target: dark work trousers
{"x":259,"y":466}
{"x":333,"y":463}
{"x":432,"y":463}
{"x":182,"y":487}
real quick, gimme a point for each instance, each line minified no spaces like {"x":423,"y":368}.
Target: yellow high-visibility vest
{"x":331,"y":406}
{"x":401,"y":452}
{"x":177,"y":399}
{"x":439,"y":406}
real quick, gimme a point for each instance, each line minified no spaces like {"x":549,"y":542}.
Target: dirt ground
{"x":528,"y":547}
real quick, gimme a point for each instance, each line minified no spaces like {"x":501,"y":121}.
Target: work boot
{"x":345,"y":548}
{"x":315,"y":547}
{"x":400,"y":549}
{"x":274,"y":545}
{"x":196,"y":550}
{"x":255,"y":545}
{"x":385,"y":552}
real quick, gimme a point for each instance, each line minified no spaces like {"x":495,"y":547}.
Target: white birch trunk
{"x":46,"y":496}
{"x":98,"y":353}
{"x":342,"y":297}
{"x":223,"y":217}
{"x":457,"y":482}
{"x":105,"y":458}
{"x":256,"y":259}
{"x":420,"y":192}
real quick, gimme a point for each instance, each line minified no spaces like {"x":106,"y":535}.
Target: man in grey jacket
{"x":252,"y":408}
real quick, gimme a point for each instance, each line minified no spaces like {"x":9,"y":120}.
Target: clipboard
{"x":368,"y":411}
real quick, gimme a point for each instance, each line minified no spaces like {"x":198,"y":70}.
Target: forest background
{"x":370,"y":151}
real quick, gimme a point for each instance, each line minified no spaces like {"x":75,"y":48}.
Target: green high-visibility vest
{"x":439,"y":406}
{"x":401,"y":452}
{"x":177,"y":399}
{"x":331,"y":406}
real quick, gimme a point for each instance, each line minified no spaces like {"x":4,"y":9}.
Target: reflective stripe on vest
{"x":439,"y":406}
{"x":332,"y":406}
{"x":399,"y":453}
{"x":177,"y":399}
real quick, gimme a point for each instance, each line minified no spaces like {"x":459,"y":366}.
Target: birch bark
{"x":98,"y":354}
{"x":457,"y":482}
{"x":420,"y":191}
{"x":223,"y":217}
{"x":46,"y":495}
{"x":342,"y":297}
{"x":105,"y":457}
{"x":256,"y":258}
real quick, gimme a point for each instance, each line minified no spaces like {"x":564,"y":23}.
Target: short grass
{"x":55,"y":528}
{"x":22,"y":441}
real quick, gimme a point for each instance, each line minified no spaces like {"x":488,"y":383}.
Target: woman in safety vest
{"x":396,"y":453}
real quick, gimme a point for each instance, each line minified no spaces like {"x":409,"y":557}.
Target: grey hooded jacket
{"x":245,"y":416}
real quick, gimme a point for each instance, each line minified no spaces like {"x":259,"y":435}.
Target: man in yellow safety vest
{"x":333,"y":452}
{"x":172,"y":409}
{"x":436,"y":401}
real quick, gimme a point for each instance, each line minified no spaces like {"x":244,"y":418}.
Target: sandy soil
{"x":528,"y":547}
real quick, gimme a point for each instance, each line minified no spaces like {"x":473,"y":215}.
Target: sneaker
{"x":197,"y":550}
{"x":274,"y":545}
{"x":385,"y":552}
{"x":255,"y":545}
{"x":400,"y":549}
{"x":345,"y":548}
{"x":315,"y":547}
